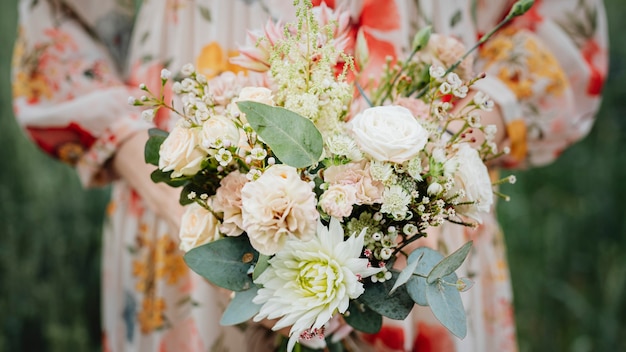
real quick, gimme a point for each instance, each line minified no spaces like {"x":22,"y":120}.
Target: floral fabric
{"x":77,"y":61}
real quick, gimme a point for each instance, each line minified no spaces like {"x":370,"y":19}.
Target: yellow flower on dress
{"x":213,"y":60}
{"x":150,"y":317}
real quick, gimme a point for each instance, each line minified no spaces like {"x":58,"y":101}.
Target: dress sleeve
{"x":546,"y":72}
{"x":68,"y":93}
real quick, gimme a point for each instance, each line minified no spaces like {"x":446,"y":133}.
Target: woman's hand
{"x":129,"y":164}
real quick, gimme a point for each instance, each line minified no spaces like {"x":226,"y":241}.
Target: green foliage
{"x":225,"y":262}
{"x":241,"y":308}
{"x":294,"y":139}
{"x":396,"y":305}
{"x":151,"y":151}
{"x":449,"y":264}
{"x":362,"y":318}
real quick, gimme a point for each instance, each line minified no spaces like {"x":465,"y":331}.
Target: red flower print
{"x":432,"y":338}
{"x":388,"y":339}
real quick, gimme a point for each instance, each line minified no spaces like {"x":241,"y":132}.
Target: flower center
{"x":319,"y":278}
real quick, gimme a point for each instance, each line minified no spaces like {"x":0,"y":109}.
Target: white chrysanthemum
{"x":395,"y":201}
{"x":308,"y":282}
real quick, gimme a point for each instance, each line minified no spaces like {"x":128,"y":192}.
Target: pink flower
{"x":338,"y":200}
{"x":357,"y":175}
{"x":228,"y":201}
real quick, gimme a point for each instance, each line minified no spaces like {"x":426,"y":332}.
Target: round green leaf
{"x":362,"y":318}
{"x":225,"y":262}
{"x":294,"y":139}
{"x":450,"y":263}
{"x":447,"y":306}
{"x":395,"y":306}
{"x":416,"y":286}
{"x":241,"y":308}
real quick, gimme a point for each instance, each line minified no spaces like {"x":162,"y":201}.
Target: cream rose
{"x":180,"y":152}
{"x":228,"y":201}
{"x":473,"y":178}
{"x":198,"y":226}
{"x":217,"y":130}
{"x":388,"y":133}
{"x":256,"y":94}
{"x":276,"y":206}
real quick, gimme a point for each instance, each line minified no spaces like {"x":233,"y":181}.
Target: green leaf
{"x":445,"y":302}
{"x":151,"y":150}
{"x":416,"y":286}
{"x":406,"y":273}
{"x":456,"y":18}
{"x":395,"y":306}
{"x":159,"y":176}
{"x":362,"y":318}
{"x":449,"y":264}
{"x":293,"y":138}
{"x":205,"y":12}
{"x":261,"y":264}
{"x":241,"y":307}
{"x":224,"y":262}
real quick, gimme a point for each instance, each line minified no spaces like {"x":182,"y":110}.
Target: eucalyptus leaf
{"x":406,"y":273}
{"x":446,"y":304}
{"x":362,"y":318}
{"x":450,"y":263}
{"x":224,"y":262}
{"x":261,"y":264}
{"x":293,"y":138}
{"x":416,"y":286}
{"x":159,"y":176}
{"x":241,"y":308}
{"x":151,"y":150}
{"x":396,"y":306}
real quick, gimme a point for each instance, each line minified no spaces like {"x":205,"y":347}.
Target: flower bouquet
{"x":307,"y":206}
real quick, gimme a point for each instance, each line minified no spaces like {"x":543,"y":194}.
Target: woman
{"x":77,"y":61}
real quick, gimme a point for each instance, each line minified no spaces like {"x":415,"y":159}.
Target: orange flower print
{"x":169,"y":261}
{"x":212,"y":61}
{"x":150,"y":317}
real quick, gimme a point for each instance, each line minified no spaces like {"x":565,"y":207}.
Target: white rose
{"x":388,"y":133}
{"x":276,"y":206}
{"x":217,"y":130}
{"x":198,"y":226}
{"x":180,"y":152}
{"x":472,"y":176}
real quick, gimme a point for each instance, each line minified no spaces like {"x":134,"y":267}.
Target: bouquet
{"x":303,"y":197}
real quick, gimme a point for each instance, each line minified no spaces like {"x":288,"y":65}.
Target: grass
{"x":565,"y":228}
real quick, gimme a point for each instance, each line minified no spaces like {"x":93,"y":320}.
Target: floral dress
{"x":76,"y":62}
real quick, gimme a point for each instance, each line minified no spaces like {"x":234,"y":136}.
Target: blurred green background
{"x":565,"y":228}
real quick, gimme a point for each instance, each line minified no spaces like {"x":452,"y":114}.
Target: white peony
{"x":217,"y":130}
{"x":276,"y":206}
{"x":388,"y":133}
{"x":308,"y":282}
{"x":180,"y":152}
{"x":473,"y":178}
{"x":198,"y":226}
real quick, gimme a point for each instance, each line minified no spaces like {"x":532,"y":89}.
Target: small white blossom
{"x":436,"y":71}
{"x":187,"y":70}
{"x":224,"y":157}
{"x":166,"y":74}
{"x":258,"y":153}
{"x":148,"y":115}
